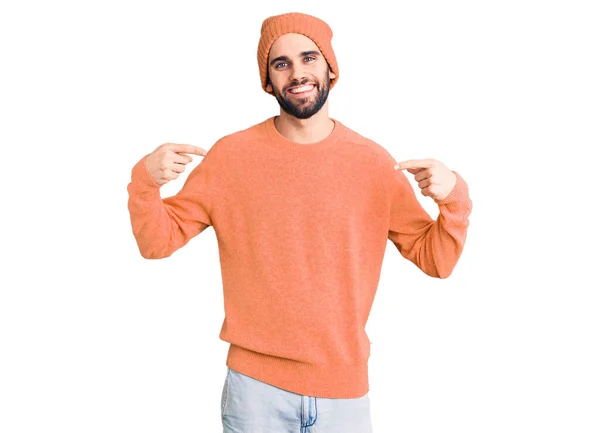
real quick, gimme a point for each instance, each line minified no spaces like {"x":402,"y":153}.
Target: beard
{"x":304,"y":108}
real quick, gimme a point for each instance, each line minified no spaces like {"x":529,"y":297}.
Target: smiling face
{"x":295,"y":61}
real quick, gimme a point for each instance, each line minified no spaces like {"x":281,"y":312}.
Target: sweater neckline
{"x":275,"y":138}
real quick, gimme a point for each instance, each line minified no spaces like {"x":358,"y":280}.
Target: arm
{"x":162,"y":226}
{"x":433,"y":246}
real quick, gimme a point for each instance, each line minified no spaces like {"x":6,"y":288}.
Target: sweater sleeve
{"x":162,"y":226}
{"x":433,"y":246}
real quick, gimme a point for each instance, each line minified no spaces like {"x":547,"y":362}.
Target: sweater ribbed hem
{"x":325,"y":381}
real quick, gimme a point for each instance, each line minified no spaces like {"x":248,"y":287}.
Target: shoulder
{"x":233,"y":139}
{"x":372,"y":149}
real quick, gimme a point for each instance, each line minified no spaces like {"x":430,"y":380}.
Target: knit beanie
{"x":295,"y":22}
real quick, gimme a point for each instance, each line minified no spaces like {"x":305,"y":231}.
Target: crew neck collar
{"x":274,"y":137}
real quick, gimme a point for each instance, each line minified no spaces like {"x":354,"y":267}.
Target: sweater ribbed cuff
{"x":142,"y":182}
{"x":459,"y":193}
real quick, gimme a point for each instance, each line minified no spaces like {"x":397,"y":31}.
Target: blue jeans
{"x":252,"y":406}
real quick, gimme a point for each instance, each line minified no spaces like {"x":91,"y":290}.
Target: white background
{"x":95,"y":338}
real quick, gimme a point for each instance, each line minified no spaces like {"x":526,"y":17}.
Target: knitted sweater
{"x":301,"y":231}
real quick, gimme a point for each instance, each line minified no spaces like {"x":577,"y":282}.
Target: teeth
{"x":301,"y":89}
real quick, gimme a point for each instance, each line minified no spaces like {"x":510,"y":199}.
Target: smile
{"x":302,"y":90}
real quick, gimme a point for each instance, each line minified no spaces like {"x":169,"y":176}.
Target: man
{"x":302,"y":207}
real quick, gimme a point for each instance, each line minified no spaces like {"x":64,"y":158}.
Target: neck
{"x":305,"y":131}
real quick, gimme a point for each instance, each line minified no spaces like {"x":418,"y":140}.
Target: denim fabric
{"x":251,"y":406}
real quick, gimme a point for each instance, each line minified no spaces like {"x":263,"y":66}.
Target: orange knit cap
{"x":295,"y":22}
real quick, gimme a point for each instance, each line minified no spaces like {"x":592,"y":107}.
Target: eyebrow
{"x":302,"y":54}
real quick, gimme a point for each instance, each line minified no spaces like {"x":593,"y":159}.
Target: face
{"x":295,"y":60}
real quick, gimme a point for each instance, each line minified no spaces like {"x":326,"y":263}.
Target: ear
{"x":331,"y":74}
{"x":269,"y":87}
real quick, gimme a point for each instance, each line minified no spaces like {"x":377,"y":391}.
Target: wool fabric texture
{"x":301,"y":230}
{"x":295,"y":22}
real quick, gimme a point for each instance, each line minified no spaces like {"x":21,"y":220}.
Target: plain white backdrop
{"x":94,"y":338}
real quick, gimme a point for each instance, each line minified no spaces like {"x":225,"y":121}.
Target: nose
{"x":298,"y":74}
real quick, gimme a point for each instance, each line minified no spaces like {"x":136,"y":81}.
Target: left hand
{"x":434,"y":178}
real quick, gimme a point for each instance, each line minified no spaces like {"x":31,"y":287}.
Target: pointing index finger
{"x":414,"y":163}
{"x":187,"y":148}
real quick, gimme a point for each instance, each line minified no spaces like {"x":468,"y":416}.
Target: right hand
{"x":169,"y":159}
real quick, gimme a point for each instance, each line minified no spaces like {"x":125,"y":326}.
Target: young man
{"x":302,"y":207}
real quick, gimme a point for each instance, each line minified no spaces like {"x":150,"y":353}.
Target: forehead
{"x":291,"y":44}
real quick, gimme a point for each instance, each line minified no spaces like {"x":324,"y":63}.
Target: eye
{"x":281,"y":63}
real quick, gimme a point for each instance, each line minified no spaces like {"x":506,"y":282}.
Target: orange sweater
{"x":301,"y":231}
